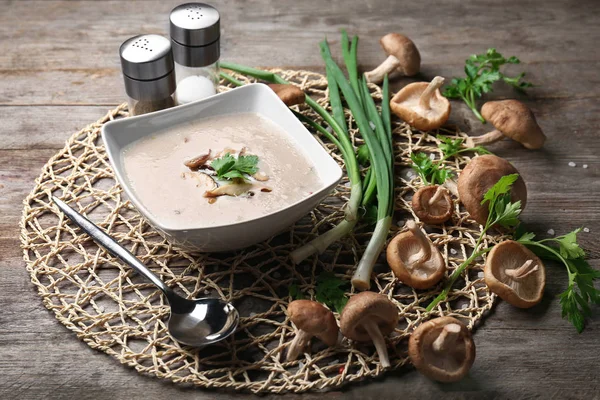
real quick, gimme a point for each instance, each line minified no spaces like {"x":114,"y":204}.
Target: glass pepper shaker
{"x":149,"y":73}
{"x":195,"y":38}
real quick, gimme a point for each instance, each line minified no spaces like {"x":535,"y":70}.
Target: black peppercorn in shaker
{"x":149,"y":74}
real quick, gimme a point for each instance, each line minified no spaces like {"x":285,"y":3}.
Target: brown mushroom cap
{"x":367,"y":317}
{"x":422,"y":105}
{"x":311,"y":319}
{"x":414,"y":259}
{"x":515,"y":120}
{"x":432,"y":204}
{"x":516,"y":274}
{"x":479,"y":176}
{"x":401,"y":47}
{"x":289,"y":94}
{"x":442,"y":349}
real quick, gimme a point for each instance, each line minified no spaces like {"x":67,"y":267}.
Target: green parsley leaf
{"x":430,"y":172}
{"x":223,"y":164}
{"x":247,"y":164}
{"x":451,"y":147}
{"x":501,"y":187}
{"x":525,"y":236}
{"x":570,"y":310}
{"x":568,"y":246}
{"x":482,"y":71}
{"x":370,"y":214}
{"x":507,"y":213}
{"x":233,"y":174}
{"x":228,"y":167}
{"x":295,"y":292}
{"x":329,"y":291}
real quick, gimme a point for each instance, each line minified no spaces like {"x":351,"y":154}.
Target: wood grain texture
{"x":59,"y":71}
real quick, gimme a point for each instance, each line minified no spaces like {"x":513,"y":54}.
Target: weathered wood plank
{"x":87,"y":35}
{"x":45,"y":127}
{"x":562,"y":80}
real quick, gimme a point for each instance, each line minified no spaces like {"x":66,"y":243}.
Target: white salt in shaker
{"x":148,"y":71}
{"x":195,"y":35}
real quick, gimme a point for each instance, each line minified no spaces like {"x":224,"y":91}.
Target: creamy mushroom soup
{"x":190,"y":196}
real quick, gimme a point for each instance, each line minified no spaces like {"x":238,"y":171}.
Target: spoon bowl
{"x":196,"y":322}
{"x":200,"y":322}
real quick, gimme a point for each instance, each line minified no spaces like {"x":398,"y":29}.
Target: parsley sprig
{"x":329,"y":290}
{"x":434,"y":172}
{"x":229,"y":167}
{"x":575,"y":301}
{"x":452,"y":147}
{"x":501,"y":212}
{"x":482,"y":71}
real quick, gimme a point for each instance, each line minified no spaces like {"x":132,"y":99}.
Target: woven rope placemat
{"x":113,"y":309}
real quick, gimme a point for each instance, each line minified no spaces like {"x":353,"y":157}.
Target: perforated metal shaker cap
{"x":148,"y":69}
{"x":195,"y":34}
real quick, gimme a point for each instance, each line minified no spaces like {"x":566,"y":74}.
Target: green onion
{"x":349,"y":54}
{"x":230,"y":78}
{"x":380,"y":165}
{"x":322,"y":242}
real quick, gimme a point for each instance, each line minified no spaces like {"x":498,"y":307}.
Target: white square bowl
{"x":250,"y":98}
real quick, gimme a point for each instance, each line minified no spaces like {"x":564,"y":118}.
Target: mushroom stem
{"x":376,"y":75}
{"x":298,"y":344}
{"x":446,"y":338}
{"x":439,"y":193}
{"x":425,"y":99}
{"x":488,"y":138}
{"x":523,"y":271}
{"x":425,"y":253}
{"x":379,"y":342}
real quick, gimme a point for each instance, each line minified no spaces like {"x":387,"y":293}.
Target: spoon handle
{"x":110,"y":244}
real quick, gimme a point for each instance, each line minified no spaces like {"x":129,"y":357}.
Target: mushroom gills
{"x":414,"y":259}
{"x":424,"y":103}
{"x":437,"y":204}
{"x":515,"y":273}
{"x":442,"y":349}
{"x":517,"y":278}
{"x":427,"y":95}
{"x":446,"y":351}
{"x":419,"y":262}
{"x":438,"y":195}
{"x":446,"y":338}
{"x":523,"y":271}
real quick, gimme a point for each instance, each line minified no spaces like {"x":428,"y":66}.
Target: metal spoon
{"x":192,"y":322}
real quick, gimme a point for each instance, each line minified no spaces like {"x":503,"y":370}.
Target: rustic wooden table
{"x":59,"y":71}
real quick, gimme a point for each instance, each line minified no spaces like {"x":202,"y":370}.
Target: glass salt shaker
{"x":195,"y":38}
{"x":149,"y":73}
